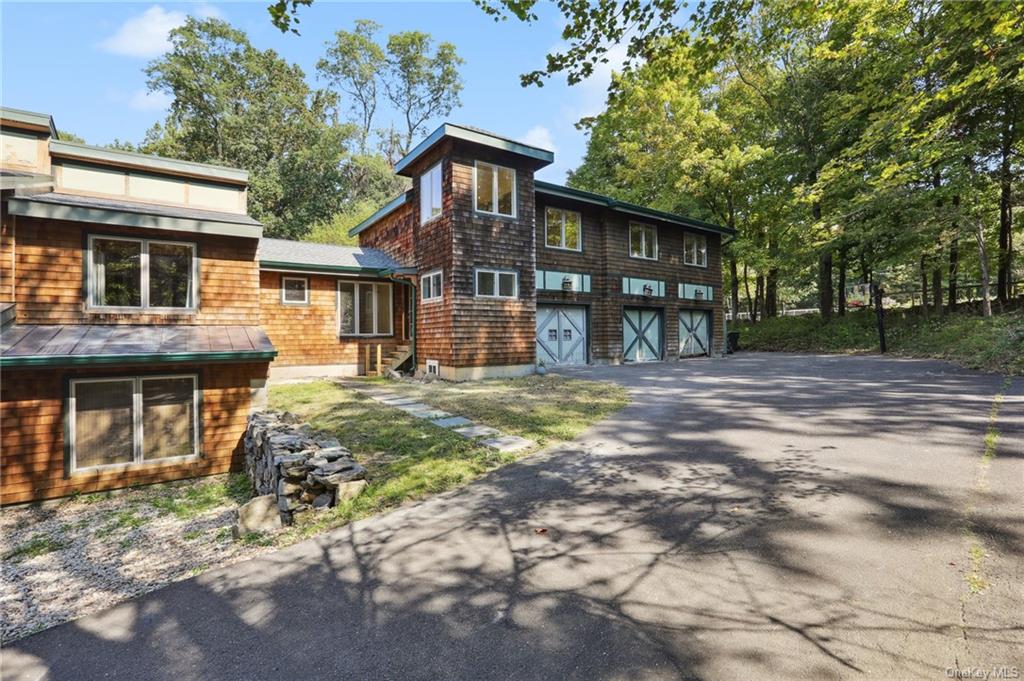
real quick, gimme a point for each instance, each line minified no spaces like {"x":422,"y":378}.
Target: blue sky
{"x":82,"y":63}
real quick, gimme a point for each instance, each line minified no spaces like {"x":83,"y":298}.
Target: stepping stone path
{"x":485,"y":435}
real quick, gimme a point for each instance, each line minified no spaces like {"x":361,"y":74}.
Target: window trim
{"x":629,"y":240}
{"x":437,"y":166}
{"x":686,"y":254}
{"x":285,"y":301}
{"x":563,"y":247}
{"x":355,"y":308}
{"x":439,"y":273}
{"x":144,"y":306}
{"x":494,"y":187}
{"x":497,"y":285}
{"x":138,"y":436}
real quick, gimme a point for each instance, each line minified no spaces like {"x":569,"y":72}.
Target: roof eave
{"x":150,"y":162}
{"x":15,"y":362}
{"x":543,"y":156}
{"x":381,"y":213}
{"x":324,"y":269}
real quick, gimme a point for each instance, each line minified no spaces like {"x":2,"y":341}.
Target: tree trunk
{"x":924,"y":287}
{"x":746,"y":287}
{"x":825,"y":298}
{"x":771,"y":282}
{"x":1005,"y":258}
{"x":979,"y":235}
{"x":841,"y":284}
{"x":759,"y":297}
{"x":954,"y":271}
{"x":734,"y":288}
{"x":937,"y":290}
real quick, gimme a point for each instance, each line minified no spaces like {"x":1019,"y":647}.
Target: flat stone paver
{"x":398,"y":401}
{"x":430,"y":413}
{"x":768,"y":516}
{"x":452,"y":422}
{"x":508,"y":443}
{"x":471,"y":432}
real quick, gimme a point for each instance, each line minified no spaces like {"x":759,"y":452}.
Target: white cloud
{"x":146,"y":35}
{"x":540,"y":136}
{"x":143,"y":100}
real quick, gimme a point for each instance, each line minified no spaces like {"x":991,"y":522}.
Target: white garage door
{"x":562,"y":334}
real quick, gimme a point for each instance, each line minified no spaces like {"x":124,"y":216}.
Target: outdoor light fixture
{"x":698,"y":294}
{"x":567,"y":284}
{"x":648,"y":290}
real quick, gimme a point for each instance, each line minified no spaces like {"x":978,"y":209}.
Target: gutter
{"x":9,"y":362}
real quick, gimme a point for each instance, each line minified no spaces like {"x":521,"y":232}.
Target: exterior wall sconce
{"x":648,"y":290}
{"x":567,"y":284}
{"x":698,"y":294}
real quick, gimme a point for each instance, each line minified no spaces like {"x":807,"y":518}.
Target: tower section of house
{"x":617,"y":282}
{"x":467,"y":228}
{"x":131,"y":350}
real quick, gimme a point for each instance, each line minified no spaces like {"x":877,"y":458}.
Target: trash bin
{"x":732,"y":341}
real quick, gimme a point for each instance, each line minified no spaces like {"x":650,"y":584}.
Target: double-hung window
{"x":497,"y":283}
{"x":695,"y":250}
{"x":141,"y":274}
{"x":295,"y":290}
{"x":364,"y":309}
{"x":430,"y":286}
{"x":643,"y":241}
{"x":132,"y":420}
{"x":494,"y":189}
{"x":430,"y":194}
{"x":562,"y":229}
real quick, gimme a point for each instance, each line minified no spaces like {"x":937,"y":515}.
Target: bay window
{"x":132,"y":420}
{"x":141,"y":274}
{"x":494,"y":189}
{"x":364,"y":309}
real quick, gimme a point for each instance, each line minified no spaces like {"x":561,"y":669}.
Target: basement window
{"x":132,"y":420}
{"x":295,"y":290}
{"x":433,"y":367}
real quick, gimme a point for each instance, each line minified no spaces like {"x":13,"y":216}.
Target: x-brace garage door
{"x":562,"y":334}
{"x":641,"y":335}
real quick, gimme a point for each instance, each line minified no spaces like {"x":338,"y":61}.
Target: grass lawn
{"x":409,"y":458}
{"x":995,"y":344}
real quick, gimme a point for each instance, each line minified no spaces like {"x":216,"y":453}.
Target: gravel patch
{"x":89,"y":553}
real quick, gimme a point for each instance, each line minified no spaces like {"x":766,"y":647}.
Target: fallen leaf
{"x":541,"y":530}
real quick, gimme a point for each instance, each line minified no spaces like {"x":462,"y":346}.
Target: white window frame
{"x":564,"y":212}
{"x":432,"y":275}
{"x":138,"y":455}
{"x":427,"y":198}
{"x":696,"y":250}
{"x":434,"y":367}
{"x":494,"y":190}
{"x":629,"y":240}
{"x":305,"y":282}
{"x":376,"y":285}
{"x":91,"y":279}
{"x":497,"y":285}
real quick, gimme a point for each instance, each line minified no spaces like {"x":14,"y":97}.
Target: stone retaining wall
{"x":302,"y":468}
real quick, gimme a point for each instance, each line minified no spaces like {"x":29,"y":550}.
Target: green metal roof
{"x":30,"y":118}
{"x":382,"y":212}
{"x":148,"y":161}
{"x":626,"y":207}
{"x":477,"y":136}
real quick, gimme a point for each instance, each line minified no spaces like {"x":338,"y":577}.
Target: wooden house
{"x":131,"y":349}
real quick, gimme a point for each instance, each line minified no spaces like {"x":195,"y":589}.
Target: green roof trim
{"x":476,"y":136}
{"x":626,"y":207}
{"x":382,"y":212}
{"x":26,"y":207}
{"x":148,"y":161}
{"x":30,"y":118}
{"x":7,"y":362}
{"x":326,"y":269}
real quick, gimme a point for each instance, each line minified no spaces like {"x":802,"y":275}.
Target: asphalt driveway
{"x":761,"y":517}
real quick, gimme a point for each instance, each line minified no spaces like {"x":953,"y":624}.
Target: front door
{"x":562,"y":334}
{"x":694,"y":333}
{"x":641,"y":335}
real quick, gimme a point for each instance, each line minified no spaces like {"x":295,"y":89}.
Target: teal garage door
{"x":641,"y":335}
{"x":562,"y":334}
{"x":694,"y":333}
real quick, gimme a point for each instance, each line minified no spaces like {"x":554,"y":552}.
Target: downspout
{"x":412,"y":314}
